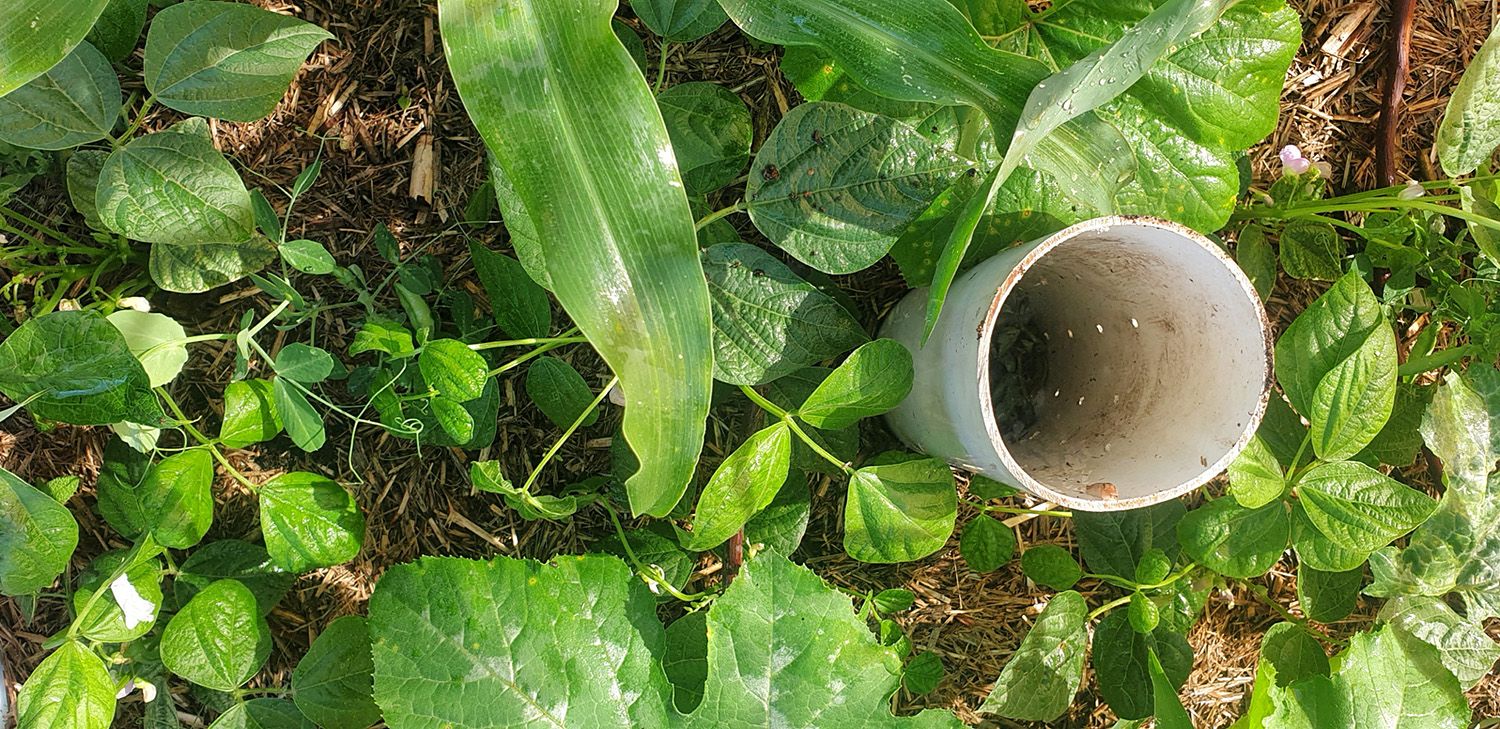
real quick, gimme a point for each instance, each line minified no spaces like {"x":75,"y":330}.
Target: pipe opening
{"x":1124,"y":361}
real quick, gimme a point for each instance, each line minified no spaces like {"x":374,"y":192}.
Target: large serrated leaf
{"x":36,"y":34}
{"x":835,"y":186}
{"x":75,"y":102}
{"x":587,"y":650}
{"x":1462,"y":645}
{"x":37,"y":537}
{"x":769,"y":323}
{"x":225,"y":60}
{"x":580,"y":138}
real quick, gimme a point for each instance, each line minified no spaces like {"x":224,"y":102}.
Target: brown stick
{"x":1398,"y":68}
{"x":734,"y":556}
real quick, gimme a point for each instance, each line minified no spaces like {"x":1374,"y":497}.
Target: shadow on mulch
{"x":368,"y":102}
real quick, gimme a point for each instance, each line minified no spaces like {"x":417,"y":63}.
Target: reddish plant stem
{"x":734,"y":556}
{"x":1398,"y":68}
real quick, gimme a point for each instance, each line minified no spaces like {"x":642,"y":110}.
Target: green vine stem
{"x":203,"y":440}
{"x":718,"y":215}
{"x":577,"y":423}
{"x":791,"y":420}
{"x":652,"y":574}
{"x":145,"y":548}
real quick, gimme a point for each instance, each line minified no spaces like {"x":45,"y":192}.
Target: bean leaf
{"x":304,"y":363}
{"x":118,"y":28}
{"x":217,"y":640}
{"x":225,"y":60}
{"x":262,"y":713}
{"x":307,"y":256}
{"x":332,"y":684}
{"x":157,"y":340}
{"x":105,"y":621}
{"x":1470,"y":130}
{"x":1337,"y":364}
{"x":173,"y":501}
{"x":711,"y":132}
{"x":560,"y":392}
{"x":309,"y":522}
{"x":250,"y":414}
{"x":768,"y":322}
{"x":303,"y":424}
{"x":1358,"y":508}
{"x":614,"y":219}
{"x":231,"y":559}
{"x":1039,"y":681}
{"x":1051,"y":566}
{"x":835,"y":186}
{"x":73,"y":103}
{"x":899,"y":512}
{"x":680,"y":21}
{"x":1233,"y":540}
{"x":1328,"y":596}
{"x":520,"y":306}
{"x":175,"y":190}
{"x":80,"y":369}
{"x":1255,"y":476}
{"x":1312,"y":251}
{"x":744,"y":484}
{"x":71,"y":688}
{"x":986,"y":544}
{"x":873,"y":380}
{"x":37,"y":537}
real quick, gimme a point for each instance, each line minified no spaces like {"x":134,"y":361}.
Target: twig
{"x":1399,"y":60}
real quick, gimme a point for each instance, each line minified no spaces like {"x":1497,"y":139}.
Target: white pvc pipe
{"x":1158,"y":365}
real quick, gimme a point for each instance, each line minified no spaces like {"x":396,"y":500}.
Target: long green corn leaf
{"x":568,"y":117}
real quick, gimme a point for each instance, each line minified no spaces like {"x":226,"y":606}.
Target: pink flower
{"x":1293,"y":161}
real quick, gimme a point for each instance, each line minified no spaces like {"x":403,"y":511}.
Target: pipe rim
{"x":1050,"y":243}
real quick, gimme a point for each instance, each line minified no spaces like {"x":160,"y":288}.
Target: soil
{"x":378,"y":108}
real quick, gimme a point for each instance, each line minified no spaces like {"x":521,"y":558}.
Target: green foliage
{"x":768,"y":322}
{"x":1469,"y":132}
{"x":1051,"y":566}
{"x":226,"y":60}
{"x":744,"y":484}
{"x":986,"y":544}
{"x":37,"y":537}
{"x":835,"y":186}
{"x":711,"y":131}
{"x":218,"y":639}
{"x":487,"y":477}
{"x":103,"y":619}
{"x":79,"y":369}
{"x":231,"y":559}
{"x":520,"y":306}
{"x":71,"y":689}
{"x":588,"y":614}
{"x":250,"y":414}
{"x":309,"y":521}
{"x":171,"y":500}
{"x":1039,"y":681}
{"x":1233,"y":540}
{"x":680,"y":20}
{"x":1256,"y":477}
{"x":175,"y":190}
{"x":118,"y":28}
{"x":615,"y":222}
{"x":157,"y":340}
{"x":262,"y":714}
{"x":1122,"y":657}
{"x":332,"y":684}
{"x":560,"y":392}
{"x":1312,"y":251}
{"x":36,"y":34}
{"x":873,"y":380}
{"x":899,"y":512}
{"x":73,"y":103}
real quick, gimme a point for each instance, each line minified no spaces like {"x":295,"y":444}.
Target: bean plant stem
{"x":140,"y":118}
{"x":718,"y":215}
{"x":1018,"y":510}
{"x":649,"y":574}
{"x":204,"y":440}
{"x":1306,"y":625}
{"x":1106,"y":607}
{"x":791,"y":421}
{"x":577,"y":423}
{"x":661,"y":68}
{"x":482,"y":346}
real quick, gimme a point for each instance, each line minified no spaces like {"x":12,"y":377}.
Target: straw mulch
{"x":379,"y":109}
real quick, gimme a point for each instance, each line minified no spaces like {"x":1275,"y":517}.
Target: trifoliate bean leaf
{"x":520,"y":305}
{"x":173,"y":501}
{"x":1234,"y":541}
{"x":156,"y":340}
{"x":680,"y":21}
{"x":986,"y":544}
{"x":873,"y":380}
{"x":231,"y":559}
{"x":81,"y":366}
{"x":560,"y":392}
{"x":71,"y":688}
{"x":744,"y":483}
{"x":250,"y":414}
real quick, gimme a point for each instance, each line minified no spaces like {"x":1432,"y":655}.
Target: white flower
{"x":139,"y":303}
{"x":1412,"y":191}
{"x":1293,"y":161}
{"x":148,"y":690}
{"x":125,"y":690}
{"x":617,"y":395}
{"x":137,"y":609}
{"x":67,"y":305}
